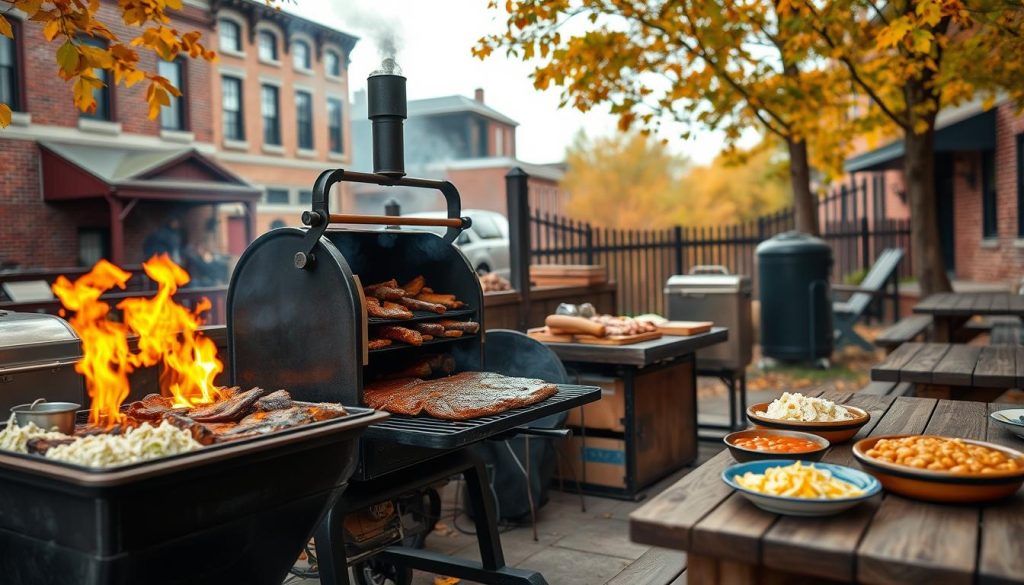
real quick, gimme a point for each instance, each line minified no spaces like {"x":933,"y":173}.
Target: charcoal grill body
{"x":230,"y":514}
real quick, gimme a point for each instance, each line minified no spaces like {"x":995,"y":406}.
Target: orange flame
{"x":105,"y":362}
{"x":168,"y":334}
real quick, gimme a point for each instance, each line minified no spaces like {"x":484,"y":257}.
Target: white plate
{"x":1013,"y":414}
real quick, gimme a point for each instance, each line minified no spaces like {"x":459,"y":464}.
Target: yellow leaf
{"x":51,"y":29}
{"x":439,"y":580}
{"x":5,"y":115}
{"x":67,"y":58}
{"x":5,"y":27}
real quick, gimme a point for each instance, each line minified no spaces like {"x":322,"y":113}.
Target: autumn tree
{"x":627,"y":180}
{"x":717,"y":64}
{"x":909,"y":59}
{"x":67,"y":21}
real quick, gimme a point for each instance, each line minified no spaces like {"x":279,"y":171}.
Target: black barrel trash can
{"x":794,"y":271}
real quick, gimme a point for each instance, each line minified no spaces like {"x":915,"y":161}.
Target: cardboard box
{"x":608,"y":412}
{"x":604,"y":459}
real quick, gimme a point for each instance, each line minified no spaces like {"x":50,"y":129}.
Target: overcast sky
{"x":434,"y":42}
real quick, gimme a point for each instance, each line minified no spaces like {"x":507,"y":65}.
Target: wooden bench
{"x":904,"y":330}
{"x":657,"y":566}
{"x":888,"y":389}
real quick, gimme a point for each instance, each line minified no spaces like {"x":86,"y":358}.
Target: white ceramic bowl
{"x":1013,"y":414}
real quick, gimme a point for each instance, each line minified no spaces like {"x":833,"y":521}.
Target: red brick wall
{"x":49,"y":99}
{"x":35,"y":234}
{"x":999,"y":259}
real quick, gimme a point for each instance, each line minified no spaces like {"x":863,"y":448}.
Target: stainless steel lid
{"x":707,"y":283}
{"x":27,"y":338}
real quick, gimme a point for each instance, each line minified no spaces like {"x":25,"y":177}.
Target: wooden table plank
{"x":1000,"y":303}
{"x":957,"y":366}
{"x":821,"y":547}
{"x":917,"y":542}
{"x":1016,"y":304}
{"x":919,"y":368}
{"x":933,"y":302}
{"x":889,"y":370}
{"x":667,"y":520}
{"x":996,"y":368}
{"x":657,"y":566}
{"x":1000,"y":560}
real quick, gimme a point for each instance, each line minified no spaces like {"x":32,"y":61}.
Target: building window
{"x":234,"y":122}
{"x":269,"y":105}
{"x":230,"y":34}
{"x":104,"y":102}
{"x":10,"y":93}
{"x":1020,"y":185}
{"x":304,"y":117}
{"x":989,"y":207}
{"x":334,"y":124}
{"x":305,"y":197}
{"x":172,"y":117}
{"x":277,"y":196}
{"x":93,"y":245}
{"x":332,"y":63}
{"x":499,"y":141}
{"x":268,"y":46}
{"x":300,"y":55}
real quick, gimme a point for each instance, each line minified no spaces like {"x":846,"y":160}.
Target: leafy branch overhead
{"x":73,"y":23}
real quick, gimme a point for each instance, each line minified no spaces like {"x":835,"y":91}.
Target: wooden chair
{"x":846,"y":313}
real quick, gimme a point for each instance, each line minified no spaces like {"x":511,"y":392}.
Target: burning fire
{"x":168,"y":334}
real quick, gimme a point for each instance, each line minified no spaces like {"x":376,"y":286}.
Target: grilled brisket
{"x":232,"y":409}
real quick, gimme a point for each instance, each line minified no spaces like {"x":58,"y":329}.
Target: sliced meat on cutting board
{"x":459,"y":397}
{"x":685,"y":327}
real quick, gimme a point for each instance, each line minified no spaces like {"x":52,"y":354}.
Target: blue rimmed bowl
{"x":790,"y":506}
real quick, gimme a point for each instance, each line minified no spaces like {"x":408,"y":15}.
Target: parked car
{"x":485,"y":243}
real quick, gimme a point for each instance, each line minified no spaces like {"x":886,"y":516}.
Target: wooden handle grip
{"x":397,"y":220}
{"x":575,"y":325}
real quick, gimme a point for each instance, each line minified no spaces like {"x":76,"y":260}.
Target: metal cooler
{"x":710,"y":293}
{"x":37,"y":359}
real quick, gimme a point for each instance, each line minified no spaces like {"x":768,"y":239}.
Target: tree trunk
{"x":805,"y":212}
{"x":919,"y":175}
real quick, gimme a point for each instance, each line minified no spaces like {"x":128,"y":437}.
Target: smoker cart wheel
{"x":374,"y":572}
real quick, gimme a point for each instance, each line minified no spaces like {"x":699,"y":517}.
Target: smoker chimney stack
{"x":386,"y":108}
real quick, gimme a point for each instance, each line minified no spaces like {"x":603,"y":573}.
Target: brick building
{"x":282,"y":83}
{"x":82,"y":186}
{"x":979,"y":178}
{"x":461,"y":140}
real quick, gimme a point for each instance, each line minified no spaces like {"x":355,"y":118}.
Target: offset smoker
{"x":297,"y":318}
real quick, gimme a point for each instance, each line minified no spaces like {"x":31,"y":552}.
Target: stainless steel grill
{"x":710,"y":293}
{"x":37,"y":359}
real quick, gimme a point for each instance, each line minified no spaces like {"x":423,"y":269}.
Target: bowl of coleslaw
{"x":799,"y":488}
{"x":819,"y":416}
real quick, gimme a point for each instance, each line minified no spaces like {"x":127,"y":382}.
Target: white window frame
{"x":239,"y":20}
{"x":301,"y":37}
{"x":279,"y":43}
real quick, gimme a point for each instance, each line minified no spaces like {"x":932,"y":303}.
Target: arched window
{"x":300,"y":55}
{"x":332,"y":63}
{"x":268,"y":46}
{"x":230,"y":34}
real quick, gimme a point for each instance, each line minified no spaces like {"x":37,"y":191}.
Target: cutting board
{"x":545,"y":335}
{"x":618,"y":339}
{"x":685,"y":327}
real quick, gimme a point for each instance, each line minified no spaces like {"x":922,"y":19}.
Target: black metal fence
{"x":852,"y":219}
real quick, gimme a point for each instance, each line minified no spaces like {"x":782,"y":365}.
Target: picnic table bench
{"x":951,"y":370}
{"x":886,"y":540}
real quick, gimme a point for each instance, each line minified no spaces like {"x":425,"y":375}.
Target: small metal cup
{"x":58,"y":416}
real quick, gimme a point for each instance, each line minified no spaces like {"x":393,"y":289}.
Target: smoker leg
{"x":425,"y":560}
{"x":330,"y":548}
{"x":486,"y":518}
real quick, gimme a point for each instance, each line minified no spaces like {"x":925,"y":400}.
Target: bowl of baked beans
{"x":756,"y":444}
{"x":942,"y":469}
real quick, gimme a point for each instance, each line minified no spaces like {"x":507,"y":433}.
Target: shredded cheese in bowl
{"x":798,"y":481}
{"x":797,"y":407}
{"x":136,"y":444}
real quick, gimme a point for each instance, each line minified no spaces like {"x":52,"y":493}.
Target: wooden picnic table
{"x":954,"y":370}
{"x":950,"y":311}
{"x":886,"y":540}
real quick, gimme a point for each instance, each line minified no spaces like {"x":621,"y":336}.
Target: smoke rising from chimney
{"x":385,"y":31}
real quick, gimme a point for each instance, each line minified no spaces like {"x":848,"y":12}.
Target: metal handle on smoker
{"x":455,"y":223}
{"x":320,"y":216}
{"x":709,"y":269}
{"x":534,"y":432}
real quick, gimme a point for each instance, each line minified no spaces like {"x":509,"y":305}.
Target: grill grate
{"x":424,"y":431}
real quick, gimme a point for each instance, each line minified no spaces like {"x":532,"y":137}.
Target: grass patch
{"x":811,"y":373}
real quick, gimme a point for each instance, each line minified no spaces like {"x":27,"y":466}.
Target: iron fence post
{"x":589,"y":233}
{"x":517,"y":198}
{"x":677,"y":233}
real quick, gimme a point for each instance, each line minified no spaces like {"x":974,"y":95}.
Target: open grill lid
{"x":33,"y":338}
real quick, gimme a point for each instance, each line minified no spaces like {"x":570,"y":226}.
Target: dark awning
{"x":82,"y":171}
{"x":967,"y":128}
